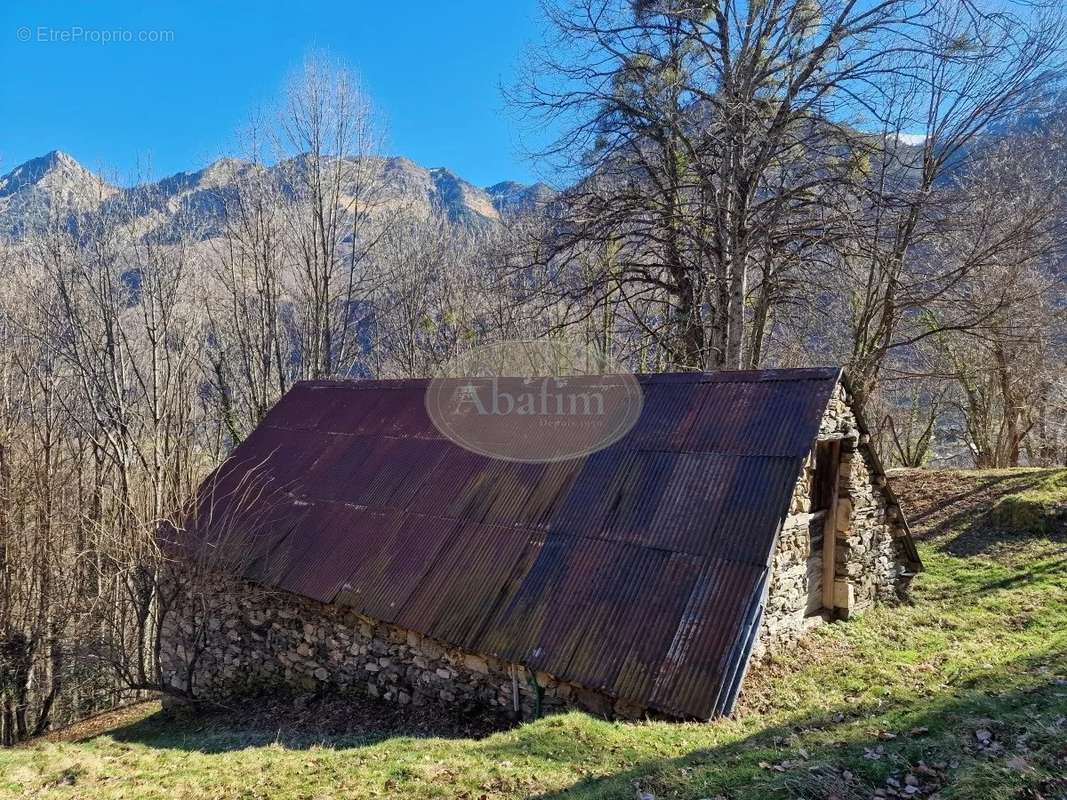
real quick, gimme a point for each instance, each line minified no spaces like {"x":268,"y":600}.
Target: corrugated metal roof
{"x":631,"y":570}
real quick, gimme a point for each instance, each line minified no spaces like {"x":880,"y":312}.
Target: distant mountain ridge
{"x":57,"y":181}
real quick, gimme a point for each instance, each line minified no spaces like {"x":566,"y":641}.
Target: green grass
{"x":963,"y":689}
{"x":1037,"y":508}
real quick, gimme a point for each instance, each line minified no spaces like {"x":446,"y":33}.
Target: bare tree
{"x":721,"y":148}
{"x":250,"y":354}
{"x":333,"y":175}
{"x":972,"y":67}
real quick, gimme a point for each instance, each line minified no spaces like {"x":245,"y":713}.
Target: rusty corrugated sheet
{"x":632,"y":570}
{"x":482,"y":569}
{"x":381,"y":578}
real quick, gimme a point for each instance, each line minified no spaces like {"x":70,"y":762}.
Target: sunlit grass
{"x":1036,"y":508}
{"x":981,"y":648}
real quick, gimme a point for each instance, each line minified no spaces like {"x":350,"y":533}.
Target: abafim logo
{"x":533,"y":401}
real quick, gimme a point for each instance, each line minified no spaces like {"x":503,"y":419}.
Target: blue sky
{"x":433,"y":70}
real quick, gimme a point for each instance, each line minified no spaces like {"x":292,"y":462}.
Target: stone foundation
{"x":242,"y":639}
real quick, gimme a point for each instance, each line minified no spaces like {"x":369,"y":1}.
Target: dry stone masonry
{"x":242,"y":639}
{"x":869,"y":561}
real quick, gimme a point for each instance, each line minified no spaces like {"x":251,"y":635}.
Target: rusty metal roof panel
{"x":301,"y":409}
{"x":267,"y":557}
{"x":694,"y":667}
{"x":748,"y":376}
{"x":601,"y":582}
{"x":702,"y":503}
{"x":375,"y":471}
{"x":396,"y":556}
{"x":629,"y":570}
{"x":581,"y":574}
{"x":397,"y":412}
{"x":480,"y":569}
{"x":378,"y":407}
{"x":756,"y":417}
{"x":317,"y":556}
{"x":664,"y":418}
{"x":663,"y":603}
{"x":456,"y":474}
{"x":758,"y":498}
{"x":270,"y":453}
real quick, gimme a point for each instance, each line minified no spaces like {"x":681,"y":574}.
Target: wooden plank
{"x":829,"y":532}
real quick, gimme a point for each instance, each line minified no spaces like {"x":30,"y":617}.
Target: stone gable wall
{"x":869,"y":556}
{"x":870,"y":533}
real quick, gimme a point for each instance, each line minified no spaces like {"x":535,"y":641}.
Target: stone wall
{"x":869,"y":557}
{"x":869,"y":532}
{"x":253,"y":639}
{"x":785,"y":616}
{"x":870,"y":563}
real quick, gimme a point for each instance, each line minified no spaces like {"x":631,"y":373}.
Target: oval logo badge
{"x":533,"y":401}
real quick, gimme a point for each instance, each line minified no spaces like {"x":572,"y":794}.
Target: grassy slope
{"x":962,"y":692}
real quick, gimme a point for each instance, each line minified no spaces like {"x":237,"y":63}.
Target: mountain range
{"x":57,"y":181}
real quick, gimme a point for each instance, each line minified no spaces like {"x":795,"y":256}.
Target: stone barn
{"x":348,"y":546}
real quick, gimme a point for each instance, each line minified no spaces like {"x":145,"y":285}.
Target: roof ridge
{"x":777,"y":374}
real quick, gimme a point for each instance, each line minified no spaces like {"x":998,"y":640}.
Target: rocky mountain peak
{"x":55,"y":170}
{"x":57,"y":180}
{"x":54,"y":182}
{"x":462,"y":201}
{"x":512,"y":196}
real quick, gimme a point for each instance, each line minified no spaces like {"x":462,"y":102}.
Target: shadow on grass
{"x":1042,"y":568}
{"x":820,"y":757}
{"x":961,"y":522}
{"x":1045,"y":569}
{"x":332,"y":720}
{"x":842,"y":752}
